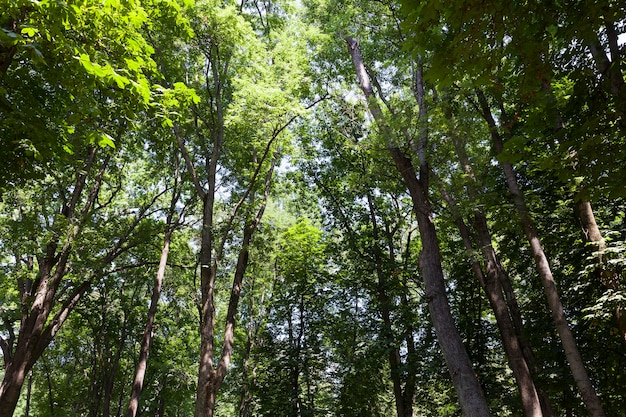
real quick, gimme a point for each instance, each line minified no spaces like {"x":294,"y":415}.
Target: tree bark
{"x":146,"y":341}
{"x":468,"y":389}
{"x":609,"y":279}
{"x":37,"y":328}
{"x":490,"y":283}
{"x":494,"y":282}
{"x":577,"y":367}
{"x":211,"y":376}
{"x":110,"y":369}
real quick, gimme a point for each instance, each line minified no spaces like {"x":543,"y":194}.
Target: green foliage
{"x":337,"y":249}
{"x":68,"y":72}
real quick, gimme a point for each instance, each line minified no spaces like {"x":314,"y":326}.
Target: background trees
{"x":293,"y":283}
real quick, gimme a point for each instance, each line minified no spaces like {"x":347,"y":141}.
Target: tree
{"x":119,"y":120}
{"x":223,"y":146}
{"x":468,"y":389}
{"x":173,"y":220}
{"x":371,"y":218}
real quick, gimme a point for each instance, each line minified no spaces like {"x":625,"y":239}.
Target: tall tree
{"x":545,"y":273}
{"x":66,"y":105}
{"x":231,"y":146}
{"x":174,"y":218}
{"x":468,"y":389}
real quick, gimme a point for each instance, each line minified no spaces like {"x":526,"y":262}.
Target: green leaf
{"x":68,"y":149}
{"x":29,"y":31}
{"x":8,"y":38}
{"x":106,"y":140}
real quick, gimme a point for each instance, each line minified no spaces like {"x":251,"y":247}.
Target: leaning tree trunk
{"x":577,"y":367}
{"x":505,"y":309}
{"x":146,"y":341}
{"x":39,"y":298}
{"x":468,"y":389}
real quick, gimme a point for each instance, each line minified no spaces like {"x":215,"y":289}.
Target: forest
{"x":310,"y":208}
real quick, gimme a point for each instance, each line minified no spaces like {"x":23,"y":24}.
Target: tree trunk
{"x":609,"y":68}
{"x":490,"y":283}
{"x":468,"y":389}
{"x":210,"y":376}
{"x":609,"y":279}
{"x":146,"y":341}
{"x":504,"y":308}
{"x":29,"y":390}
{"x":577,"y":367}
{"x":403,"y":408}
{"x":110,"y":371}
{"x":37,"y":328}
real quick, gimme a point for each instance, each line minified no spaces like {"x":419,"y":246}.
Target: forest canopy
{"x":312,"y":208}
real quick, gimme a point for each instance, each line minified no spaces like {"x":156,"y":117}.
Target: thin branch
{"x":187,"y":158}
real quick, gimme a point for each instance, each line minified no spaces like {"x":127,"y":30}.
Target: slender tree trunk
{"x":146,"y":341}
{"x":402,"y":408}
{"x":577,"y":367}
{"x":29,"y":390}
{"x":110,"y":372}
{"x":295,"y":343}
{"x":50,"y":391}
{"x":205,"y":401}
{"x":210,"y":376}
{"x":493,"y":282}
{"x":530,"y":399}
{"x":245,"y":399}
{"x":249,"y":366}
{"x":161,"y":407}
{"x":468,"y":389}
{"x":610,"y":68}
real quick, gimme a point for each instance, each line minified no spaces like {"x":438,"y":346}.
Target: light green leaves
{"x":102,"y":139}
{"x":29,"y":31}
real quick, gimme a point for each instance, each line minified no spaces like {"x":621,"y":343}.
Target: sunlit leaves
{"x":81,"y":63}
